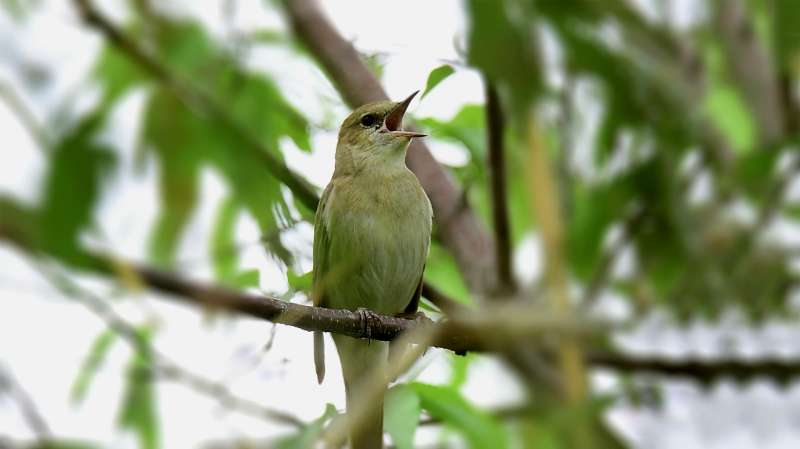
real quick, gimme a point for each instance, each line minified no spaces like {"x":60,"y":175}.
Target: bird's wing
{"x":413,"y":304}
{"x":322,"y":246}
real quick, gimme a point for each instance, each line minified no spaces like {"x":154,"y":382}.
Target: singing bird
{"x":371,"y":236}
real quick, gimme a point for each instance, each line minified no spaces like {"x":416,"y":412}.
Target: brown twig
{"x":459,"y":228}
{"x":495,"y":148}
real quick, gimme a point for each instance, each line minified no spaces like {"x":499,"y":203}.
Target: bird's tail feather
{"x":319,"y":356}
{"x":361,"y":361}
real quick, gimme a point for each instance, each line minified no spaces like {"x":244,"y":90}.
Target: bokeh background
{"x":664,"y":134}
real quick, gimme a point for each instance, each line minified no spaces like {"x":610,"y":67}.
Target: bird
{"x":372,"y":233}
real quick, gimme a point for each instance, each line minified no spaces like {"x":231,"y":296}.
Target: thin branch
{"x":631,"y":226}
{"x":458,"y":227}
{"x":26,"y":117}
{"x":163,"y":366}
{"x":704,"y":371}
{"x":27,"y":407}
{"x":495,"y":146}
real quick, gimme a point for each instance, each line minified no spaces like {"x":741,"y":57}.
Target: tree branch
{"x":495,"y":146}
{"x":458,"y":227}
{"x":753,"y":69}
{"x":331,"y":320}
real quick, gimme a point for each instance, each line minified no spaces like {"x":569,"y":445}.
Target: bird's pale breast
{"x":380,"y":232}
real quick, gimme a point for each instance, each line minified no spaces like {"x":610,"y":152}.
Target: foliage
{"x":662,"y":172}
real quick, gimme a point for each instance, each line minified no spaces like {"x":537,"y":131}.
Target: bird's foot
{"x":368,"y":320}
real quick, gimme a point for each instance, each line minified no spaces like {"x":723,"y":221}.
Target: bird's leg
{"x":368,"y":319}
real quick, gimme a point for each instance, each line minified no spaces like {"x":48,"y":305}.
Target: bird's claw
{"x":368,"y":319}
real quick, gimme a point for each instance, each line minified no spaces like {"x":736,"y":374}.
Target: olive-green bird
{"x":371,"y":236}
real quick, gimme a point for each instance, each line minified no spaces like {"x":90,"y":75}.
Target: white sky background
{"x":43,"y":337}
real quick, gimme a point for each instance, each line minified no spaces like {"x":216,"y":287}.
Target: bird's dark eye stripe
{"x":368,"y":120}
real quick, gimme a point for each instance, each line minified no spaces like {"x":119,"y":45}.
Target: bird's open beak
{"x":394,"y":119}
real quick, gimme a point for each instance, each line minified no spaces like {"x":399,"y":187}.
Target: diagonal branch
{"x":458,"y":227}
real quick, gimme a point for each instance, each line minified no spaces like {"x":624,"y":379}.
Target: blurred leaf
{"x":247,"y":279}
{"x":65,"y":444}
{"x":185,"y":141}
{"x":481,"y":430}
{"x":503,"y":47}
{"x":787,"y":22}
{"x":138,"y":412}
{"x":309,"y":434}
{"x":72,"y":185}
{"x":19,"y":9}
{"x":401,"y":415}
{"x":459,"y":369}
{"x":466,"y":127}
{"x":725,"y":105}
{"x":224,"y":252}
{"x":300,"y":283}
{"x":436,"y":76}
{"x":91,"y":364}
{"x":117,"y":74}
{"x":441,"y":271}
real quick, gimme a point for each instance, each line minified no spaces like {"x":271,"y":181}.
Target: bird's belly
{"x":377,"y":261}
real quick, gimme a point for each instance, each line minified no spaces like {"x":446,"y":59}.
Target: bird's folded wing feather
{"x":322,"y":246}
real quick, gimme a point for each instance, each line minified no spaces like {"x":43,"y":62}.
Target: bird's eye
{"x":367,"y":120}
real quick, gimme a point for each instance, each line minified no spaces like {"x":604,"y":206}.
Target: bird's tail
{"x":363,"y":360}
{"x":319,"y":356}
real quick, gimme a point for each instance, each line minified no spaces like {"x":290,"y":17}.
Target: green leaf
{"x":459,"y":369}
{"x":441,"y":271}
{"x":247,"y":278}
{"x":138,"y":412}
{"x":300,"y":283}
{"x":504,"y":49}
{"x":72,"y":188}
{"x":481,"y":430}
{"x":224,"y":253}
{"x":725,"y":105}
{"x":309,"y":434}
{"x":436,"y":76}
{"x":102,"y":343}
{"x":401,"y":415}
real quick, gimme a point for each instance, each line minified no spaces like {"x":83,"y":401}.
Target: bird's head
{"x":373,"y":134}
